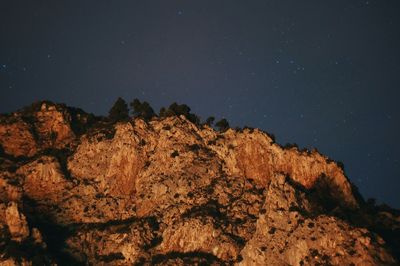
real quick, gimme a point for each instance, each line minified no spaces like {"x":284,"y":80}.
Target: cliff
{"x":76,"y":189}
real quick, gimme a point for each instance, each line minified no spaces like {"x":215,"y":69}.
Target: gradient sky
{"x":322,"y":74}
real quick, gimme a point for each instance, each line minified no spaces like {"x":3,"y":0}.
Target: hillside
{"x":76,"y":189}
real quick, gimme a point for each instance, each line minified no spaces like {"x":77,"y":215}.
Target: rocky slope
{"x":76,"y":190}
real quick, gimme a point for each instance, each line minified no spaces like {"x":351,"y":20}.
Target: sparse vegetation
{"x":195,"y":195}
{"x":210,"y":121}
{"x":119,"y":111}
{"x":142,"y":110}
{"x":222,"y":125}
{"x":340,"y":164}
{"x":179,"y":109}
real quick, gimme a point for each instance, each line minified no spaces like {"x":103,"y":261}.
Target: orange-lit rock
{"x":53,"y":127}
{"x":16,"y":223}
{"x":168,"y":192}
{"x":16,"y":137}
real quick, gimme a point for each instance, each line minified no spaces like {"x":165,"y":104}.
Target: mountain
{"x":76,"y":189}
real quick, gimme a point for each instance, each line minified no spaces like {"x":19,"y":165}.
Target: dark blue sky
{"x":322,"y":74}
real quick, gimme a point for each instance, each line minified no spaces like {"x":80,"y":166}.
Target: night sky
{"x":322,"y":74}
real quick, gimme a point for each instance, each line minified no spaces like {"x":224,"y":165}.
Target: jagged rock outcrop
{"x":17,"y":138}
{"x":16,"y":222}
{"x":39,"y":127}
{"x":294,"y":231}
{"x":82,"y":190}
{"x":20,"y":244}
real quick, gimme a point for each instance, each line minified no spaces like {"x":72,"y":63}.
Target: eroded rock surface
{"x":295,"y":231}
{"x":20,"y":243}
{"x":168,"y":192}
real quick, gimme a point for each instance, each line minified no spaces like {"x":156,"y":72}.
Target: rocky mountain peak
{"x":78,"y":189}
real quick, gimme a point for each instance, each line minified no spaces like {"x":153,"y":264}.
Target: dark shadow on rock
{"x":54,"y":235}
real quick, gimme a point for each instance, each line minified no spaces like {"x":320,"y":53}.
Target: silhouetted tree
{"x":142,"y":110}
{"x":340,"y":164}
{"x":222,"y":125}
{"x":162,"y":112}
{"x":166,"y":112}
{"x":119,"y":111}
{"x":210,"y":120}
{"x":179,"y":109}
{"x":194,"y":119}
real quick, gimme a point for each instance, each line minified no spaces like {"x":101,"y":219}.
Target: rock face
{"x":77,"y":190}
{"x":293,"y":231}
{"x":42,"y":126}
